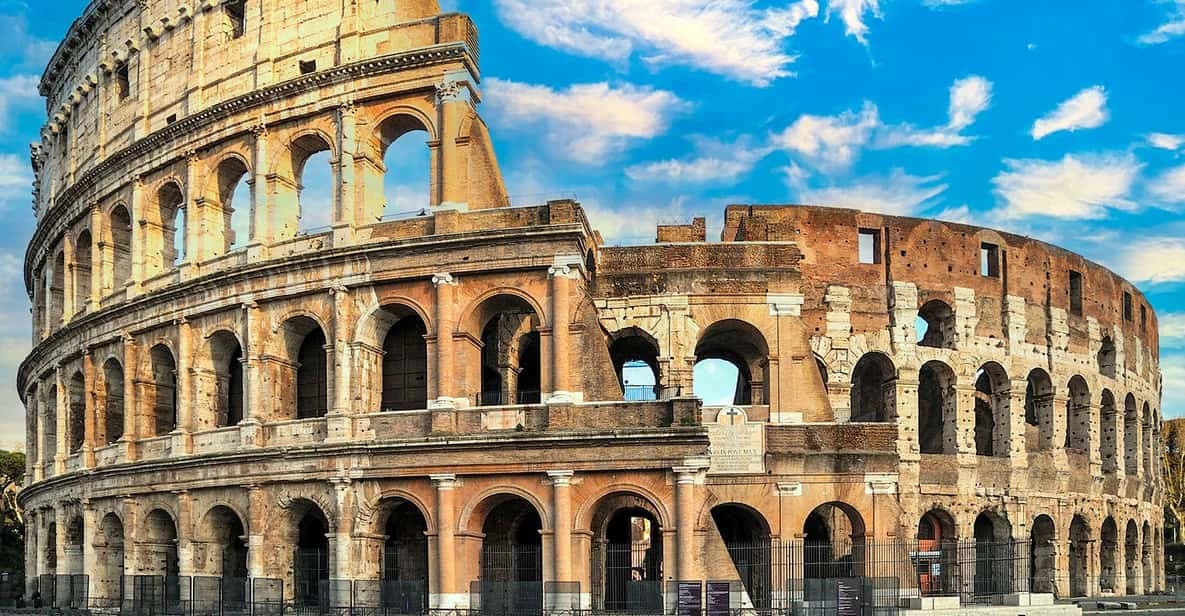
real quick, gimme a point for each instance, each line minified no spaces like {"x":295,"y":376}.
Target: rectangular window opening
{"x":172,"y":118}
{"x":1127,"y":306}
{"x":1143,"y":318}
{"x":308,"y":66}
{"x":123,"y":83}
{"x":989,"y":260}
{"x":236,"y":14}
{"x":870,"y":245}
{"x":1075,"y":293}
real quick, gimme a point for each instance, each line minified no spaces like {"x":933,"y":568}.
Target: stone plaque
{"x":737,"y":447}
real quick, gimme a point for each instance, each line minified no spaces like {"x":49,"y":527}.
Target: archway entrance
{"x":1131,"y":557}
{"x":405,"y":559}
{"x":936,"y":558}
{"x":1043,"y":558}
{"x":512,"y":559}
{"x":747,"y":537}
{"x":994,"y":554}
{"x":509,"y":352}
{"x":1079,"y":557}
{"x":225,"y":554}
{"x":833,"y":547}
{"x":1108,"y":556}
{"x":310,"y":568}
{"x":109,"y":553}
{"x":627,"y":559}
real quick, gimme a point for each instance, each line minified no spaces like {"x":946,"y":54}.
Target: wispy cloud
{"x":15,"y":181}
{"x":1086,"y":109}
{"x":1172,"y":329}
{"x":1152,"y":260}
{"x":1076,"y":187}
{"x":715,"y":161}
{"x":21,"y":49}
{"x":725,"y":37}
{"x":853,"y":13}
{"x":1168,"y":188}
{"x":969,"y":97}
{"x":941,"y":3}
{"x":1165,"y":141}
{"x":1173,"y":27}
{"x":16,"y":92}
{"x":898,"y":193}
{"x":1172,"y":372}
{"x":584,"y":122}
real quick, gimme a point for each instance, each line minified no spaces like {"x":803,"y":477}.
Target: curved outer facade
{"x":204,"y":403}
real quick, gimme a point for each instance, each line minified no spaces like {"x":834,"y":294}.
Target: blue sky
{"x":1058,"y":119}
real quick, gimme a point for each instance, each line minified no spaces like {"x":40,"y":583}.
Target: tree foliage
{"x":12,"y":526}
{"x":1173,"y":475}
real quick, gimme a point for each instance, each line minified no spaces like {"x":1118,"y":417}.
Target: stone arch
{"x":161,"y":391}
{"x":221,"y":548}
{"x":1149,"y":445}
{"x":587,"y":510}
{"x":1039,"y":411}
{"x":833,"y":541}
{"x":1043,"y":555}
{"x":1078,"y":426}
{"x":50,"y":425}
{"x":304,"y":342}
{"x":938,"y":552}
{"x":994,"y":553}
{"x":939,"y":318}
{"x":1108,"y":433}
{"x":1146,"y":558}
{"x":874,"y":389}
{"x":310,"y":146}
{"x":507,"y":362}
{"x":1108,"y":555}
{"x":937,"y":409}
{"x":298,"y":501}
{"x":474,"y":512}
{"x":1079,"y":556}
{"x":158,"y":540}
{"x":57,"y":291}
{"x":1131,"y":436}
{"x":110,"y":555}
{"x":484,"y":306}
{"x":393,"y":356}
{"x":405,"y":570}
{"x":83,"y":268}
{"x":746,"y":536}
{"x":1107,"y":357}
{"x":992,"y":421}
{"x":1131,"y":558}
{"x":372,"y":516}
{"x":231,"y":179}
{"x":165,"y":242}
{"x":743,"y":345}
{"x":76,"y":418}
{"x":396,"y":133}
{"x":511,"y":561}
{"x":627,"y":551}
{"x":119,"y":251}
{"x":634,"y":345}
{"x":114,"y":396}
{"x":309,"y":525}
{"x":226,"y":365}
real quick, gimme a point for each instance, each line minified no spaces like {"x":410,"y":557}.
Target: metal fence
{"x":500,"y":398}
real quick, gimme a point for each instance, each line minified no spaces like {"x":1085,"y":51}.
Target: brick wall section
{"x":786,"y":439}
{"x":695,"y":232}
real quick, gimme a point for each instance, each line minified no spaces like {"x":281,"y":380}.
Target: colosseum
{"x":404,"y":412}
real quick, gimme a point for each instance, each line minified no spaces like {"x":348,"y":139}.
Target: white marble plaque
{"x":737,"y":447}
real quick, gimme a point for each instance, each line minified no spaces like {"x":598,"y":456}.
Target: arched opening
{"x":226,"y":354}
{"x":405,"y":559}
{"x":82,"y":271}
{"x":109,"y":555}
{"x":1106,"y":357}
{"x":310,"y":568}
{"x":833,"y":547}
{"x":51,"y":426}
{"x":1108,"y":555}
{"x":75,"y":542}
{"x":166,"y":230}
{"x":405,"y":362}
{"x":1131,"y":558}
{"x":874,"y":389}
{"x":937,"y":409}
{"x":509,"y":353}
{"x":158,"y":557}
{"x":511,"y":558}
{"x":1079,"y":557}
{"x":1148,"y":443}
{"x":32,"y":427}
{"x":234,"y":197}
{"x":994,"y":554}
{"x":1108,"y":432}
{"x":120,"y":233}
{"x":226,"y":553}
{"x":1043,"y":559}
{"x":937,"y":554}
{"x":114,"y":397}
{"x":1146,"y":558}
{"x":314,"y":174}
{"x":635,"y":361}
{"x":51,"y":547}
{"x":1131,"y":436}
{"x":731,"y":364}
{"x":162,"y":392}
{"x":992,"y":437}
{"x":1039,"y":411}
{"x":1078,"y":415}
{"x":627,"y":558}
{"x":304,"y":341}
{"x":406,"y":166}
{"x":77,"y":416}
{"x":234,"y":17}
{"x":57,"y":291}
{"x":939,"y":325}
{"x":746,"y":536}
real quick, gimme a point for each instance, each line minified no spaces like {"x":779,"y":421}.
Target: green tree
{"x":12,"y":526}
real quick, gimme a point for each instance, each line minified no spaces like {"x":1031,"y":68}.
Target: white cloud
{"x":1086,"y":109}
{"x":635,"y":222}
{"x":1172,"y":329}
{"x":830,"y":142}
{"x":1169,"y":187}
{"x":724,"y":37}
{"x":1077,"y":187}
{"x":834,"y":142}
{"x":16,"y":180}
{"x":960,"y":214}
{"x":715,"y":162}
{"x":1152,"y":259}
{"x":852,"y":14}
{"x":1173,"y":27}
{"x":898,"y":193}
{"x":940,"y":3}
{"x":16,"y":91}
{"x":22,"y":50}
{"x":1165,"y":141}
{"x":585,"y":122}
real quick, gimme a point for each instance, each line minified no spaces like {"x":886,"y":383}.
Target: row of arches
{"x":93,"y":263}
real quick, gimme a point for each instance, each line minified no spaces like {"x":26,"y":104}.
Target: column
{"x":32,"y":561}
{"x":256,"y":520}
{"x":340,"y":426}
{"x":452,"y":105}
{"x":560,"y":277}
{"x":261,"y":213}
{"x":346,"y":216}
{"x":138,"y":248}
{"x":449,"y":596}
{"x":184,"y":533}
{"x":59,"y":547}
{"x":39,"y":409}
{"x":446,"y":390}
{"x":98,"y":271}
{"x":194,"y":219}
{"x":343,"y":497}
{"x":90,"y":530}
{"x":255,"y":406}
{"x":561,"y":485}
{"x":182,"y":436}
{"x":131,"y":399}
{"x":90,"y":408}
{"x":687,"y":480}
{"x":62,"y":417}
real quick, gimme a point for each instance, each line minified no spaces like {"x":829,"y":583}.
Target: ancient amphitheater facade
{"x":429,"y":410}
